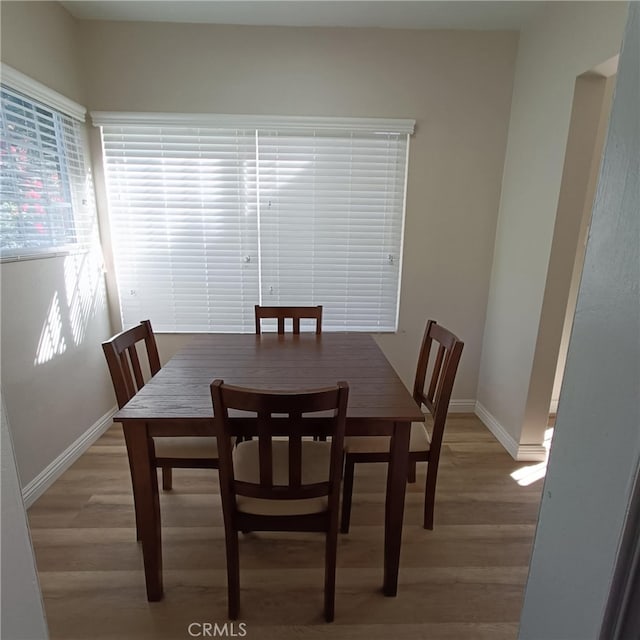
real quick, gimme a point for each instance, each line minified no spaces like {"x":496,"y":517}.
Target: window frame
{"x":60,"y":107}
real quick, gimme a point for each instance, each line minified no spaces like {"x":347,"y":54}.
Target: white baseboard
{"x":519,"y":452}
{"x":32,"y":491}
{"x":462,"y":406}
{"x":554,"y":406}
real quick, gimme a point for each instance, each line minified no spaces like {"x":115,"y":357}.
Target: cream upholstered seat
{"x":316,"y":458}
{"x":420,"y":440}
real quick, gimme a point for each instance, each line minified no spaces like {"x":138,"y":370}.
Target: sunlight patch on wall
{"x":52,"y":342}
{"x":83,"y":284}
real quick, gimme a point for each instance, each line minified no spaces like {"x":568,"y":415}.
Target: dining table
{"x":177,"y":402}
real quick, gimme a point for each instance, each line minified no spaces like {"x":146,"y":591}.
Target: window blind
{"x":46,"y":198}
{"x":183,"y":210}
{"x":208,"y":221}
{"x":331,"y":213}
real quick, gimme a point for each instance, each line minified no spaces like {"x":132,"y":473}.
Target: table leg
{"x":147,"y":503}
{"x":394,"y":506}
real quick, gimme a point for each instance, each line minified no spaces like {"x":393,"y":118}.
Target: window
{"x":46,"y":203}
{"x":211,"y":217}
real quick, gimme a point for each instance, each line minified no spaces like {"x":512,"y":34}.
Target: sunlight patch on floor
{"x":529,"y":474}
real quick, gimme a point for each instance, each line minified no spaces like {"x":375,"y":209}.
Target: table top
{"x":180,"y":390}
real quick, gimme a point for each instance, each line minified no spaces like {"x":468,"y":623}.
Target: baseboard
{"x":462,"y":406}
{"x":554,"y":406}
{"x":34,"y":489}
{"x":519,"y":452}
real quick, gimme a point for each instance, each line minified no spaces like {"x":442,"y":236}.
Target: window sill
{"x":42,"y":255}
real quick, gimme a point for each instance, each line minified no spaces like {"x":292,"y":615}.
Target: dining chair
{"x":295,"y":313}
{"x":280,"y":480}
{"x":423,"y":446}
{"x":123,"y":354}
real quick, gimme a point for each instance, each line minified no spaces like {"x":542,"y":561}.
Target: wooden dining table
{"x":177,"y":402}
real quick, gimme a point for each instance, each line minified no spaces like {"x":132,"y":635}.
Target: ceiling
{"x":416,"y":14}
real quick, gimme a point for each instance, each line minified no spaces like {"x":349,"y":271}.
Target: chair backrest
{"x":293,"y":414}
{"x":437,"y":395}
{"x":295,"y":313}
{"x":124,"y":362}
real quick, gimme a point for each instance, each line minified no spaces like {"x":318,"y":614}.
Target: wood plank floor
{"x":464,"y":579}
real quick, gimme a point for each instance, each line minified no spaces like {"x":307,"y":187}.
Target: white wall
{"x":22,"y":610}
{"x":457,"y":85}
{"x":596,"y":449}
{"x":566,"y":40}
{"x":54,"y":305}
{"x":589,"y":122}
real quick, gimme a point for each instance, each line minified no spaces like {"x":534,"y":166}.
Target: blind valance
{"x":235,"y":121}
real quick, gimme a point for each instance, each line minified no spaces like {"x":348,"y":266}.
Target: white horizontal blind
{"x":331,"y":213}
{"x":183,"y":212}
{"x":47,"y":203}
{"x":209,"y":220}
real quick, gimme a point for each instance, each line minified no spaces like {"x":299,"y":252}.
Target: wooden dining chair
{"x":295,"y":313}
{"x":128,"y":377}
{"x":280,"y":480}
{"x":423,"y":446}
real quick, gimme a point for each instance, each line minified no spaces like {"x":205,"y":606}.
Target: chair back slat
{"x":435,"y":373}
{"x":282,"y":313}
{"x":127,"y":382}
{"x":281,"y":413}
{"x":123,"y":360}
{"x":295,"y":452}
{"x":265,"y":458}
{"x":135,"y":365}
{"x":443,"y":373}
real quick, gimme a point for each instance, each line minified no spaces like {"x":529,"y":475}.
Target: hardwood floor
{"x":463,"y":580}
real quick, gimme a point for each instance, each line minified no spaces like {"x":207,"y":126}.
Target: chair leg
{"x":135,"y":508}
{"x":347,"y":491}
{"x":430,"y":495}
{"x":330,"y":571}
{"x":411,"y":476}
{"x":233,"y":575}
{"x":138,"y":521}
{"x":167,"y":479}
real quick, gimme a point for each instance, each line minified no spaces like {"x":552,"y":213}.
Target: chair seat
{"x":188,"y":447}
{"x":315,"y":468}
{"x":419,"y":441}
